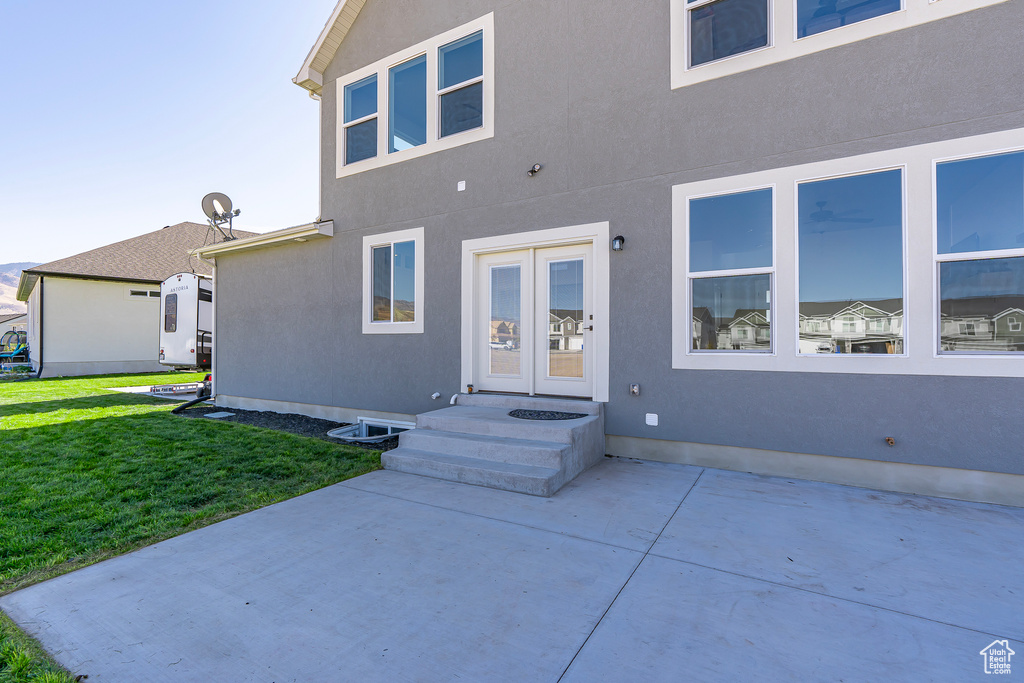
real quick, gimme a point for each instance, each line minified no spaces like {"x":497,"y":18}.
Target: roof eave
{"x":300,"y":233}
{"x":26,"y":284}
{"x":311,"y":75}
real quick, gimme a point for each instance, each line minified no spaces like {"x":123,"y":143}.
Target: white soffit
{"x":311,"y":75}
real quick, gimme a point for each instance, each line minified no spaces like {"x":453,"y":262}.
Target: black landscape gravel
{"x":288,"y":422}
{"x":544,"y":415}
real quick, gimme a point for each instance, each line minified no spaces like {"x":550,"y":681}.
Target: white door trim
{"x":596,"y":233}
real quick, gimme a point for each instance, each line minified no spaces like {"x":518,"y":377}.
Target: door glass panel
{"x":565,"y":318}
{"x":505,"y":343}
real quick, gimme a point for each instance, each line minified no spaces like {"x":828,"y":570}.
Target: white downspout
{"x":319,"y":155}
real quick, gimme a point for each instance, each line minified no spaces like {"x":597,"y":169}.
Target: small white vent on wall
{"x":652,"y":419}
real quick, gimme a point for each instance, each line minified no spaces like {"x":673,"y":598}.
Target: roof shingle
{"x":152,"y":257}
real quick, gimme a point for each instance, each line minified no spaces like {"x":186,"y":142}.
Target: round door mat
{"x":545,"y":415}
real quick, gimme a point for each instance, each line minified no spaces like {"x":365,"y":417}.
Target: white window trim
{"x":939,"y":259}
{"x":783,"y":44}
{"x":920,"y":305}
{"x":414,"y":235}
{"x":732,"y":272}
{"x":434,"y":142}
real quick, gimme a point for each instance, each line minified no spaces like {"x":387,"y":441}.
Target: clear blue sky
{"x":117,"y":117}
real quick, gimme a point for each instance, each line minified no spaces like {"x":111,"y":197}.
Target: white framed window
{"x":393,"y":282}
{"x":138,"y":293}
{"x":730,"y":264}
{"x":715,"y":38}
{"x":850,"y":265}
{"x":922,"y":274}
{"x":433,"y":96}
{"x":979,"y":253}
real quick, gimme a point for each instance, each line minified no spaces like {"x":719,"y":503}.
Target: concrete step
{"x":495,"y":421}
{"x":512,"y":401}
{"x":493,"y":448}
{"x":537,"y":481}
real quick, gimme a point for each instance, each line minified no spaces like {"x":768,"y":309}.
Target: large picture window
{"x":730,"y":271}
{"x":393,"y":282}
{"x":903,"y":261}
{"x":851,"y":264}
{"x":979,"y":223}
{"x":433,"y":96}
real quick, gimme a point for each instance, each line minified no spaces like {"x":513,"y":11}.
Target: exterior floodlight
{"x":217,"y":207}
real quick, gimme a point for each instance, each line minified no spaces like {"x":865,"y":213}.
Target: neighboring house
{"x":99,"y":312}
{"x":852,"y":327}
{"x":12,"y":321}
{"x":479,"y":157}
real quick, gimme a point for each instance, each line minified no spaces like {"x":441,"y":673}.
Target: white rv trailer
{"x":186,"y":321}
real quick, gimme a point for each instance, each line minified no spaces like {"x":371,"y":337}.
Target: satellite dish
{"x":216,"y":204}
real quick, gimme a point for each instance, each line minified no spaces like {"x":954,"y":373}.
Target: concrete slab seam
{"x":630,"y":577}
{"x":833,"y":597}
{"x":506,"y":521}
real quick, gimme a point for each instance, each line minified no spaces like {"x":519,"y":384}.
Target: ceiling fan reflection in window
{"x":830,"y":221}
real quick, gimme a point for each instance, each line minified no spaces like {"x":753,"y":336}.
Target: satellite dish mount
{"x":217,"y":207}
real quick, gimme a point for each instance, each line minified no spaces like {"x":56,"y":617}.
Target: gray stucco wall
{"x":583,"y":88}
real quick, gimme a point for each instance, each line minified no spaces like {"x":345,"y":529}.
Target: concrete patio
{"x":636,"y":571}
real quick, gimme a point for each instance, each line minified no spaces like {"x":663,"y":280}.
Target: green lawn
{"x":89,"y":474}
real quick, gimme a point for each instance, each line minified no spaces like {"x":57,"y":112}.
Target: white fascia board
{"x":25,"y":285}
{"x":311,"y":76}
{"x":300,"y":233}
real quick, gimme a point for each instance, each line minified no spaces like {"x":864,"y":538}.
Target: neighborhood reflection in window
{"x":732,"y":313}
{"x":982,"y":305}
{"x":565,"y":319}
{"x":506,"y":321}
{"x":851,"y":264}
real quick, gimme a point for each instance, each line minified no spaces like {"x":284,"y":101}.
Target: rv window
{"x":205,"y":295}
{"x":171,"y":313}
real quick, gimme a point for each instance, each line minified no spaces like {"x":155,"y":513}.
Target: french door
{"x":534,"y":321}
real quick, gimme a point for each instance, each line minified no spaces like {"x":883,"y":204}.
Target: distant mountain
{"x":10,"y":274}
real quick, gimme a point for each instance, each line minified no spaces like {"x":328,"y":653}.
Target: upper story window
{"x":979,"y":240}
{"x":715,"y":38}
{"x":817,"y":16}
{"x":433,"y":96}
{"x":361,"y":120}
{"x":723,"y":28}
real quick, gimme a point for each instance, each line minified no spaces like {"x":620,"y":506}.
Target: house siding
{"x":91,"y":327}
{"x":583,"y":88}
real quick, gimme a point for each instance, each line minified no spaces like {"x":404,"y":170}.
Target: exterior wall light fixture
{"x":534,"y":170}
{"x":617,"y":242}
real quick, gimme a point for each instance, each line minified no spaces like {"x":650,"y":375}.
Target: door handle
{"x":589,"y":328}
